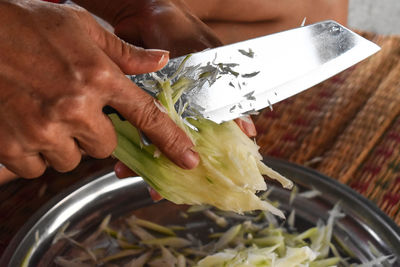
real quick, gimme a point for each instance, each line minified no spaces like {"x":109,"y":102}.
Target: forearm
{"x":231,"y":20}
{"x":235,"y":10}
{"x":269,"y":10}
{"x":232,"y":32}
{"x":236,"y":20}
{"x":208,"y":10}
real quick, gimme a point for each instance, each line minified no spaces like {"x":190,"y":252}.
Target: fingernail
{"x":161,"y":60}
{"x":118,"y":171}
{"x":190,"y":159}
{"x":250,"y":129}
{"x":162,"y":55}
{"x":121,"y":171}
{"x":155,"y":196}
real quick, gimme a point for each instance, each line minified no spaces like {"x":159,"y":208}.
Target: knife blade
{"x":238,"y":79}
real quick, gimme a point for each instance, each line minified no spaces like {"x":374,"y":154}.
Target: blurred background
{"x":381,"y":16}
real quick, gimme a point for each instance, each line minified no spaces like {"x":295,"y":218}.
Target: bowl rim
{"x":390,"y":227}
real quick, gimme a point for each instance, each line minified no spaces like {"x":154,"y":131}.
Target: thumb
{"x":129,"y":58}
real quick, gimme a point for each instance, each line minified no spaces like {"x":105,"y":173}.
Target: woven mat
{"x":347,"y":127}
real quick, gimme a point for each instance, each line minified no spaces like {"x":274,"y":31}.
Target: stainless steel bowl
{"x":85,"y":205}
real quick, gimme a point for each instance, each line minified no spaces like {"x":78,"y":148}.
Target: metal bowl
{"x":85,"y":205}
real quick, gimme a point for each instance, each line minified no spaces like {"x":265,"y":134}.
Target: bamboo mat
{"x":347,"y":127}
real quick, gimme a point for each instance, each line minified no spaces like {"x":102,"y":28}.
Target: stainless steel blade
{"x":241,"y":78}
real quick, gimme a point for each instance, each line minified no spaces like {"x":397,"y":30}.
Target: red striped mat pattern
{"x":347,"y":127}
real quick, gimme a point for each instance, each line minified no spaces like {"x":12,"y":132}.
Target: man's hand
{"x":164,"y":24}
{"x":59,"y":68}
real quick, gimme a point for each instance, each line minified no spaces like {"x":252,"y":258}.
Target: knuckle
{"x":81,"y":74}
{"x":64,"y":156}
{"x":69,"y":109}
{"x":101,"y":75}
{"x":68,"y":164}
{"x":162,"y":130}
{"x":107,"y":149}
{"x":71,"y":106}
{"x":102,"y":153}
{"x":44,"y":138}
{"x":129,"y":51}
{"x":34,"y":173}
{"x":150,"y":117}
{"x":10,"y":152}
{"x":41,"y":136}
{"x":174,"y":142}
{"x":76,"y":113}
{"x":89,"y":72}
{"x":23,"y":168}
{"x":104,"y":149}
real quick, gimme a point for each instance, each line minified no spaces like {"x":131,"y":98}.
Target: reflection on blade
{"x":241,"y":78}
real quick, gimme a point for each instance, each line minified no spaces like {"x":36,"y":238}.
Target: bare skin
{"x":54,"y":86}
{"x":69,"y":91}
{"x":160,"y":24}
{"x":237,"y":20}
{"x":180,"y":26}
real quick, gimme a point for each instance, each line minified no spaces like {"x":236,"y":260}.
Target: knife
{"x":241,"y":78}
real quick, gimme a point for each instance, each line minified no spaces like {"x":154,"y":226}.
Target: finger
{"x":63,"y":157}
{"x":155,"y":196}
{"x":247,"y":126}
{"x":122,"y":171}
{"x":27,"y":167}
{"x":139,"y":108}
{"x":131,"y":59}
{"x":97,"y":137}
{"x":6,"y":175}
